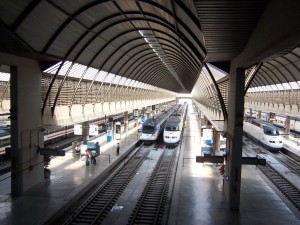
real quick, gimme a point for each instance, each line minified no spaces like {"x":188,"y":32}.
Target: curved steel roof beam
{"x":46,"y":99}
{"x":292,"y":64}
{"x":92,"y":4}
{"x":142,"y":51}
{"x":116,"y":61}
{"x":251,"y":78}
{"x":155,"y":59}
{"x":221,"y":100}
{"x":275,"y":75}
{"x":285,"y":67}
{"x":91,"y":61}
{"x":188,"y":59}
{"x":54,"y":78}
{"x":30,"y":7}
{"x":262,"y":80}
{"x":175,"y":59}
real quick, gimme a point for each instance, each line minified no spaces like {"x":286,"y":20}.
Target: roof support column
{"x":232,"y":184}
{"x":26,"y":131}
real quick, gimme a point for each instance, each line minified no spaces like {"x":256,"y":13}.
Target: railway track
{"x":94,"y":210}
{"x":289,"y":190}
{"x":289,"y":163}
{"x":151,"y":205}
{"x":286,"y":187}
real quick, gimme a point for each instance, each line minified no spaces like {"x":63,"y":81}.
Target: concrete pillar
{"x":216,"y":141}
{"x":232,"y":184}
{"x":27,"y":166}
{"x":125,"y":121}
{"x":259,"y":114}
{"x":288,"y":124}
{"x":85,"y":132}
{"x":205,"y":121}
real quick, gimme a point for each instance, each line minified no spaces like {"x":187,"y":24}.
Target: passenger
{"x":93,"y":157}
{"x":87,"y":158}
{"x":118,"y":149}
{"x":77,"y":151}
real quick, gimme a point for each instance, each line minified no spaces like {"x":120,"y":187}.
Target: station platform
{"x":198,"y":195}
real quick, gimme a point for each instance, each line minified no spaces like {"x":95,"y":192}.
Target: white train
{"x":265,"y":133}
{"x":277,"y":119}
{"x":175,"y":126}
{"x":280,"y":121}
{"x":153,"y":126}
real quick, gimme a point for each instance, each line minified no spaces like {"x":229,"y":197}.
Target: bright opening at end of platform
{"x":184,"y":95}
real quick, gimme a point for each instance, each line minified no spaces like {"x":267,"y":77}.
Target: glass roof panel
{"x":280,"y":87}
{"x":286,"y":86}
{"x":294,"y":85}
{"x":90,"y":73}
{"x":4,"y":76}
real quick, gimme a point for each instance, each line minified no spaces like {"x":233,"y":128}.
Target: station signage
{"x":77,"y":129}
{"x":136,"y":113}
{"x":93,"y":130}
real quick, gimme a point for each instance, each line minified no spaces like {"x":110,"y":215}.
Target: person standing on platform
{"x":87,"y":158}
{"x":118,"y":149}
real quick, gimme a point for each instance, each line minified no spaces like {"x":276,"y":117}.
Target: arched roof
{"x":161,"y":43}
{"x":157,"y":42}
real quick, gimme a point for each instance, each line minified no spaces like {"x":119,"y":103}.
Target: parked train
{"x":154,"y":125}
{"x":277,"y":119}
{"x":56,"y":134}
{"x":264,"y":133}
{"x":175,"y":126}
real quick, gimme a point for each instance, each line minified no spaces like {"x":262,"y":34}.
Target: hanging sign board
{"x":77,"y":129}
{"x":149,"y":109}
{"x":136,"y":113}
{"x":93,"y":130}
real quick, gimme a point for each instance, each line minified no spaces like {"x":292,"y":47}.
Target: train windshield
{"x":149,"y":126}
{"x":172,"y":128}
{"x":271,"y":131}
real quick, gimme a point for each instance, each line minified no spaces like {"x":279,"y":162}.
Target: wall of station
{"x":80,"y":113}
{"x":278,"y":102}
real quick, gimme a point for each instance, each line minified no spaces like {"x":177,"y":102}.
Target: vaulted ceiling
{"x":163,"y":43}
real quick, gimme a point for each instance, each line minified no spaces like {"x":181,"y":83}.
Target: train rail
{"x":94,"y":210}
{"x":151,"y":205}
{"x":289,"y":162}
{"x":288,"y":189}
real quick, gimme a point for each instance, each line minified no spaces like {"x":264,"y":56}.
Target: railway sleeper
{"x":144,"y":222}
{"x":147,"y":213}
{"x":150,"y":206}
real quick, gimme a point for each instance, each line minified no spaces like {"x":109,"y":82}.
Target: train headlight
{"x":280,"y":141}
{"x":272,"y":141}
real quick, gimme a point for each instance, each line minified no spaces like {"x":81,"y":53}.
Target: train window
{"x":271,"y":131}
{"x":148,"y":129}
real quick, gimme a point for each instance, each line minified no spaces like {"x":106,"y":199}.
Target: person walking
{"x":118,"y":149}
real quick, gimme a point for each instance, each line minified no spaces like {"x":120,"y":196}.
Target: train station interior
{"x":79,"y":74}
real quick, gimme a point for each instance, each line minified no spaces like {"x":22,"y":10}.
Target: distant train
{"x":175,"y":126}
{"x":264,"y":133}
{"x":56,"y":134}
{"x":154,"y":125}
{"x":277,"y":119}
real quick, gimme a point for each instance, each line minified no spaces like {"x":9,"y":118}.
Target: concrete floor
{"x":198,"y":196}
